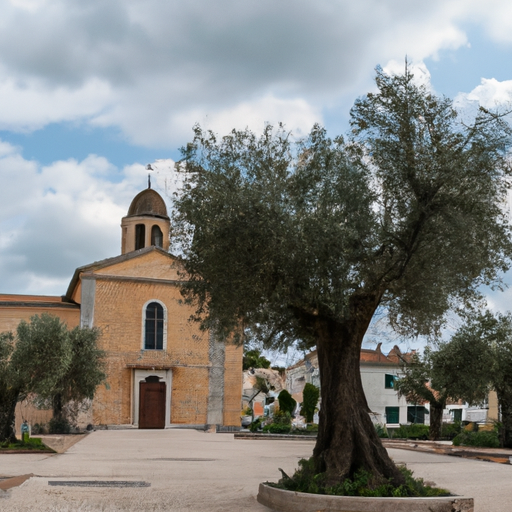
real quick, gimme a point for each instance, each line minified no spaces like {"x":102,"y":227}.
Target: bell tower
{"x":146,"y":224}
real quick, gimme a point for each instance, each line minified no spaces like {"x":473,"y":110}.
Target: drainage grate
{"x":183,"y":460}
{"x":98,"y":483}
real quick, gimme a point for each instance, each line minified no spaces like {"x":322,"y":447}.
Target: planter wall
{"x":289,"y":501}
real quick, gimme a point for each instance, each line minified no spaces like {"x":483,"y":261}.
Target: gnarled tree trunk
{"x":58,"y":407}
{"x":347,"y":439}
{"x":8,"y":401}
{"x":436,"y":420}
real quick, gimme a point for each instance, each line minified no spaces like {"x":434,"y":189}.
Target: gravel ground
{"x":186,"y":470}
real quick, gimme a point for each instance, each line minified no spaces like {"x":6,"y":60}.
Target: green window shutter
{"x":392,"y":415}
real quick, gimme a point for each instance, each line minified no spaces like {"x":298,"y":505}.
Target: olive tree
{"x":304,"y":241}
{"x":477,"y":359}
{"x":456,"y":370}
{"x":46,"y":359}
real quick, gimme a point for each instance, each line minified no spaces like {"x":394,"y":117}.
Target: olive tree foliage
{"x":45,"y":359}
{"x":305,"y":240}
{"x":457,"y":370}
{"x":82,"y":375}
{"x":477,"y":359}
{"x":253,"y":358}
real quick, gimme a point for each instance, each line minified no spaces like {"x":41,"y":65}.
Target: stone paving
{"x":187,"y":470}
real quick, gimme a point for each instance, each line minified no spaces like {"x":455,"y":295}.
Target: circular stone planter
{"x":290,"y":501}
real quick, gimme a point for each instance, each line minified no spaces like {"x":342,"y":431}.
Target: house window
{"x":416,"y":414}
{"x":392,"y":415}
{"x":457,"y":414}
{"x":154,"y":327}
{"x":140,"y":236}
{"x":389,"y":381}
{"x":157,"y":238}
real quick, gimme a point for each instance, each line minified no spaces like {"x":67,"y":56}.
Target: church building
{"x":162,"y":370}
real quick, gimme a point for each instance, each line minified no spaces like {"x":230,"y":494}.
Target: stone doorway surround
{"x":139,"y":375}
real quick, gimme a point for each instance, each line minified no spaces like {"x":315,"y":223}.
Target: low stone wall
{"x":280,"y":500}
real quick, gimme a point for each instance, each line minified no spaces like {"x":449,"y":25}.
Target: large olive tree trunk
{"x":8,"y":401}
{"x":436,"y":420}
{"x":347,"y":439}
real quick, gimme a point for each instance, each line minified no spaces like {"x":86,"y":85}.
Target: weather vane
{"x":149,"y":168}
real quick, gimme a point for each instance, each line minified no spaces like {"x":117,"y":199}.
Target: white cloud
{"x":492,"y":93}
{"x":31,"y":105}
{"x":56,"y":218}
{"x":153,"y":69}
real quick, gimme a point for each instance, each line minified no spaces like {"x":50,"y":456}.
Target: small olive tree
{"x":477,"y":359}
{"x":46,"y":359}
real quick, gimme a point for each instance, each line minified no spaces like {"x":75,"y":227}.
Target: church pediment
{"x":151,"y":263}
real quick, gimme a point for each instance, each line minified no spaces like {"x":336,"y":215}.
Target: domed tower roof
{"x":146,"y":224}
{"x":148,"y":203}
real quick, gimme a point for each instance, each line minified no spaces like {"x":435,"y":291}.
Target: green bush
{"x":39,"y":429}
{"x":361,"y":484}
{"x":255,"y":425}
{"x":381,"y":430}
{"x":283,"y":418}
{"x":310,"y":396}
{"x":286,"y":402}
{"x":413,"y":431}
{"x":277,"y":428}
{"x":481,"y":439}
{"x":59,"y":426}
{"x":450,"y":430}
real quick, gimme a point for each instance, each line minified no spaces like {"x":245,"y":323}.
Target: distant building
{"x":378,"y":374}
{"x":162,"y":370}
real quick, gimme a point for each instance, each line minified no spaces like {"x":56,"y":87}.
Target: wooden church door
{"x":152,"y":403}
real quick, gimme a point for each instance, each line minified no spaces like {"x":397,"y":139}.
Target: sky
{"x":91,"y":92}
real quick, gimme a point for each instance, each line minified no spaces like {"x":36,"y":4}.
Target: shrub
{"x":59,"y":426}
{"x":381,"y":430}
{"x":286,"y":402}
{"x":481,"y":439}
{"x":39,"y":429}
{"x":413,"y":431}
{"x":277,"y":428}
{"x":282,"y":417}
{"x":450,"y":430}
{"x":255,"y":425}
{"x":310,"y":398}
{"x":361,"y":484}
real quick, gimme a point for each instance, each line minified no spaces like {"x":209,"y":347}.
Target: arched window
{"x":140,"y":236}
{"x":157,"y":238}
{"x":154,"y":327}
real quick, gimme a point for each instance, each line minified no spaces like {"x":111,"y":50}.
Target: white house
{"x":378,"y":375}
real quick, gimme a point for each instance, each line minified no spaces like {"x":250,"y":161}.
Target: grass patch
{"x":362,"y":484}
{"x":33,"y":443}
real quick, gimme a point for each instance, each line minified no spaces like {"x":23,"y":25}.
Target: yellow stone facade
{"x":202,"y":376}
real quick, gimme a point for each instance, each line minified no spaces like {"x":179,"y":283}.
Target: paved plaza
{"x":186,"y":470}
